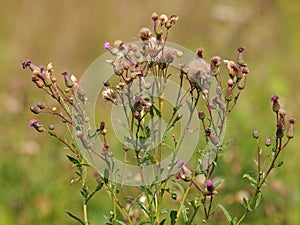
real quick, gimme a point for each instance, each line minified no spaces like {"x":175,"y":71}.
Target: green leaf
{"x":106,"y":176}
{"x":145,"y":209}
{"x":280,"y":164}
{"x":245,"y":203}
{"x":178,"y":117}
{"x":73,"y":160}
{"x":258,"y":200}
{"x":226,"y":214}
{"x":163,"y":222}
{"x":173,"y":216}
{"x":121,"y":222}
{"x":75,"y":217}
{"x":180,"y":187}
{"x":184,"y":213}
{"x":251,"y":179}
{"x":156,"y":111}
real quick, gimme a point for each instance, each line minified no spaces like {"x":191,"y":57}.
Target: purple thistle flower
{"x":180,"y":164}
{"x":209,"y":186}
{"x":107,"y":46}
{"x":177,"y":176}
{"x":32,"y":122}
{"x":274,"y":98}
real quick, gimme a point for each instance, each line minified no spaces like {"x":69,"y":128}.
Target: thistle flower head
{"x":109,"y":95}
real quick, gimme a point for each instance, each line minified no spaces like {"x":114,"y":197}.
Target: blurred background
{"x":34,"y":171}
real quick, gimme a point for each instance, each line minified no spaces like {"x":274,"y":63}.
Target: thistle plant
{"x":172,"y":110}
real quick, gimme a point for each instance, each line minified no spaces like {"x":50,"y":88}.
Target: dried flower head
{"x":145,"y":34}
{"x":110,"y":95}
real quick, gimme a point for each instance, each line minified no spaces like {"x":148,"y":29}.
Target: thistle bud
{"x":137,"y":115}
{"x":255,"y":134}
{"x":268,"y":141}
{"x":126,"y":146}
{"x":240,"y":57}
{"x":102,"y":128}
{"x":200,"y":52}
{"x":41,"y":105}
{"x":201,"y":115}
{"x":279,"y":131}
{"x":214,"y":65}
{"x":145,"y":34}
{"x":51,"y":127}
{"x":34,"y":109}
{"x":282,"y":114}
{"x":68,"y":82}
{"x":242,"y":82}
{"x":229,"y":94}
{"x":154,"y":16}
{"x":209,"y":187}
{"x":290,"y":130}
{"x":36,"y":125}
{"x":276,"y":105}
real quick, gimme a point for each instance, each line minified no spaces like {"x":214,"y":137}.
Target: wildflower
{"x":232,"y":67}
{"x":242,"y":82}
{"x":36,"y":125}
{"x":107,"y":46}
{"x":68,"y":82}
{"x":214,"y":65}
{"x":177,"y":176}
{"x":201,"y":115}
{"x":145,"y":34}
{"x":41,"y":105}
{"x":126,"y":146}
{"x":102,"y":128}
{"x":282,"y":115}
{"x":276,"y":105}
{"x":199,"y":72}
{"x":240,"y":57}
{"x":110,"y":95}
{"x":106,"y":83}
{"x":255,"y":134}
{"x":279,"y":131}
{"x":35,"y":109}
{"x":290,"y":130}
{"x":187,"y":173}
{"x":209,"y":186}
{"x":268,"y":141}
{"x":74,"y":79}
{"x":51,"y":126}
{"x":137,"y":115}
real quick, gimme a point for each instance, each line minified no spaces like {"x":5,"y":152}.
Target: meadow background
{"x":34,"y":172}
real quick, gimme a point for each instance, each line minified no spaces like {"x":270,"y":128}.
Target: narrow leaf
{"x":251,"y":179}
{"x":163,"y":222}
{"x":226,"y":213}
{"x":106,"y":176}
{"x":73,"y":160}
{"x":75,"y":218}
{"x":258,"y":200}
